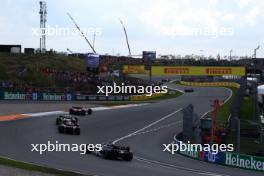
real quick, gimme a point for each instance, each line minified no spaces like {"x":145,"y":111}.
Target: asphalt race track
{"x":152,"y":125}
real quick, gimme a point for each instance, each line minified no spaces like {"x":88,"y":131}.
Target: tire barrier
{"x":211,"y":84}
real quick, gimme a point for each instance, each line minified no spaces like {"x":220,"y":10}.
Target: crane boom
{"x":82,"y":33}
{"x":126,"y":36}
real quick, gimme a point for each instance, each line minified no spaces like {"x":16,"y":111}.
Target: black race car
{"x":69,"y":127}
{"x":188,"y":90}
{"x":165,"y":80}
{"x":61,"y":118}
{"x":80,"y":111}
{"x":114,"y":152}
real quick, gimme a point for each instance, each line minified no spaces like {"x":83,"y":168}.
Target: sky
{"x":177,"y":27}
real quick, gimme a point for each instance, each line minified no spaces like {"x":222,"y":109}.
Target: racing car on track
{"x":188,"y":90}
{"x":114,"y":152}
{"x":69,"y":127}
{"x":80,"y":111}
{"x":61,"y":118}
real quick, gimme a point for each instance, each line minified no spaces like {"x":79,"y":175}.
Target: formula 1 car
{"x":165,"y":80}
{"x":114,"y":152}
{"x":188,"y":90}
{"x":68,"y":127}
{"x":80,"y":111}
{"x":61,"y":118}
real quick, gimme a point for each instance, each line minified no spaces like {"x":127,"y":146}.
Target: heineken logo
{"x":244,"y":161}
{"x":53,"y":97}
{"x":14,"y":96}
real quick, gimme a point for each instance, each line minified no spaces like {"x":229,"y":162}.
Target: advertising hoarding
{"x":197,"y":71}
{"x":134,"y":69}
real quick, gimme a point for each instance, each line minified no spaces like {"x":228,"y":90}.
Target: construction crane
{"x":91,"y":46}
{"x":69,"y":51}
{"x":94,"y":39}
{"x":126,"y":36}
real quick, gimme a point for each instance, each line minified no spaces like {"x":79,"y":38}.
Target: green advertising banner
{"x":53,"y":97}
{"x":244,"y":161}
{"x":227,"y":158}
{"x":14,"y":96}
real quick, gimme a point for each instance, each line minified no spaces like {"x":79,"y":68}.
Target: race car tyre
{"x":78,"y":131}
{"x":128,"y":157}
{"x":57,"y":122}
{"x":71,"y":111}
{"x":107,"y":155}
{"x":61,"y":130}
{"x":90,"y":111}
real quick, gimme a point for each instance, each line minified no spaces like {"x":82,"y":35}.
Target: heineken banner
{"x":59,"y":97}
{"x":19,"y":96}
{"x":56,"y":97}
{"x":14,"y":96}
{"x":228,"y":159}
{"x":244,"y":161}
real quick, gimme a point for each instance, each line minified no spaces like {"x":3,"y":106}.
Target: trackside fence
{"x":71,"y":97}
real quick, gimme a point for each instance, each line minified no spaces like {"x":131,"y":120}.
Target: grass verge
{"x":33,"y":167}
{"x":246,"y":114}
{"x":224,"y":111}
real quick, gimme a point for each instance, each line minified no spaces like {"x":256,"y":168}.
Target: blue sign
{"x":208,"y":156}
{"x":92,"y":61}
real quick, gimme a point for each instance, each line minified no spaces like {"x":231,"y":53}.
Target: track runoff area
{"x":142,"y":139}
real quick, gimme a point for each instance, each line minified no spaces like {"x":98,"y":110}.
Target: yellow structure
{"x":134,"y":69}
{"x":197,"y":71}
{"x":211,"y":84}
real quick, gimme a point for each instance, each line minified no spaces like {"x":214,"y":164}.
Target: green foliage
{"x":33,"y":167}
{"x":11,"y":65}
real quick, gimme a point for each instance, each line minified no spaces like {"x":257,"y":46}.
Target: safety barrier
{"x":59,"y":97}
{"x":227,"y":159}
{"x":144,"y":97}
{"x":211,"y":84}
{"x":72,"y":97}
{"x":36,"y":96}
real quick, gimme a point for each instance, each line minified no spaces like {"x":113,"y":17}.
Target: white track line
{"x":142,"y":129}
{"x":38,"y":114}
{"x":170,"y":86}
{"x":158,"y":128}
{"x":178,"y":167}
{"x":230,"y":95}
{"x":45,"y":113}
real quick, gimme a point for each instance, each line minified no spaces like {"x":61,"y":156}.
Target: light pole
{"x":254,"y":60}
{"x":255,"y":52}
{"x":255,"y":83}
{"x":201,"y":56}
{"x":230,"y":54}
